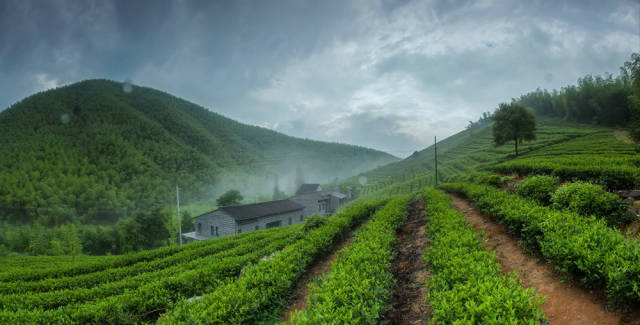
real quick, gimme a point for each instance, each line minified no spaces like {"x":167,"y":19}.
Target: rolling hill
{"x":98,"y":150}
{"x":580,"y":146}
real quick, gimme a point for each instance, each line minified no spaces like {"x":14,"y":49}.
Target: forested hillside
{"x":98,"y":151}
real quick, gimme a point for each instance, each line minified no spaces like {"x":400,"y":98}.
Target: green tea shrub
{"x":590,"y":199}
{"x":313,"y":222}
{"x":539,"y":188}
{"x":466,"y":286}
{"x":359,"y":286}
{"x":262,"y":291}
{"x":583,"y":246}
{"x":486,"y":178}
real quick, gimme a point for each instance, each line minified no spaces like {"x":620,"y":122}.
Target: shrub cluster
{"x":485,"y":178}
{"x":466,"y":285}
{"x":583,"y":246}
{"x":359,"y":287}
{"x":591,"y":199}
{"x":538,"y":188}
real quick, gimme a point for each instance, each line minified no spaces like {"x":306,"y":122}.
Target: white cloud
{"x":44,"y":82}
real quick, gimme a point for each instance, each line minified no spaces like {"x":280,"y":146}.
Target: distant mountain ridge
{"x":96,"y":150}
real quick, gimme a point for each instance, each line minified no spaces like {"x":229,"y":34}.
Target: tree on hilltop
{"x":513,"y":122}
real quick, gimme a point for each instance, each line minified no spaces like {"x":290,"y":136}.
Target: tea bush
{"x":591,"y":199}
{"x":539,"y":188}
{"x":583,"y":246}
{"x":359,"y":286}
{"x":466,"y":286}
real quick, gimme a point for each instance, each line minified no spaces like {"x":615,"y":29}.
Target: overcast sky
{"x":378,"y":73}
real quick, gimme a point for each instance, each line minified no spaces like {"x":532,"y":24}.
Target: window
{"x":199,"y":228}
{"x":274,"y":224}
{"x":256,"y":227}
{"x":239,"y":230}
{"x":212,"y":232}
{"x":301,"y":217}
{"x":289,"y":220}
{"x":217,"y":231}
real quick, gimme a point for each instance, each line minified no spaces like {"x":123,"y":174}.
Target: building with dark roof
{"x":310,"y":199}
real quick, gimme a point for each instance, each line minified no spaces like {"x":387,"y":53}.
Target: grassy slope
{"x":472,"y":150}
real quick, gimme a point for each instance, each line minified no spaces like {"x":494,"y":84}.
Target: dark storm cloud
{"x":387,"y":74}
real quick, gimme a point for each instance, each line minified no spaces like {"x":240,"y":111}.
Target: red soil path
{"x":565,"y":303}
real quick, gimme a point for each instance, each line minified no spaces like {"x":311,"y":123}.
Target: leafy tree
{"x":513,"y":122}
{"x":230,"y":197}
{"x":631,"y":70}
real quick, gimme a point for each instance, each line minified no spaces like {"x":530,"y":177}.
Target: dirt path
{"x":409,"y":269}
{"x":320,"y":266}
{"x":565,"y":303}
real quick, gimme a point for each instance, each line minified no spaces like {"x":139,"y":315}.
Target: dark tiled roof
{"x":307,"y":188}
{"x":263,"y":209}
{"x":338,"y":195}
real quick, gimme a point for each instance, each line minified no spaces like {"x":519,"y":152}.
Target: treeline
{"x":140,"y":232}
{"x":602,"y":100}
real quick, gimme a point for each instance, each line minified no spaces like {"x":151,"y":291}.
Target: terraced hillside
{"x":586,"y":147}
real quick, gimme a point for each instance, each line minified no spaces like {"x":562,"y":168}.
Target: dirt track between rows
{"x":320,"y":266}
{"x":409,"y":269}
{"x":566,"y":303}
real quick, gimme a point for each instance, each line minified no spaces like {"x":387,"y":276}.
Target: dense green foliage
{"x":582,"y":246}
{"x":631,"y":71}
{"x":591,"y":199}
{"x":359,"y":286}
{"x":262,"y":291}
{"x":466,"y":286}
{"x":598,"y":158}
{"x":599,"y":100}
{"x":513,"y":122}
{"x":91,"y":153}
{"x":143,"y":289}
{"x":539,"y":188}
{"x":469,"y":151}
{"x":230,"y":197}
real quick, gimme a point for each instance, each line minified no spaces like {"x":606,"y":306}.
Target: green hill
{"x":581,"y":151}
{"x":92,"y":152}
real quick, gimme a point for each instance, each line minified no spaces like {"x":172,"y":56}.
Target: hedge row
{"x":466,"y":286}
{"x":582,"y":246}
{"x":262,"y":291}
{"x":146,"y":302}
{"x":89,"y":280}
{"x":57,"y":298}
{"x":359,"y":287}
{"x":591,"y":168}
{"x":18,"y":274}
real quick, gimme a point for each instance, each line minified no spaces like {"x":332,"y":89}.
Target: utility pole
{"x":179,"y":218}
{"x":435,"y":150}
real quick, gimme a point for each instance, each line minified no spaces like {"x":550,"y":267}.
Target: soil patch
{"x":566,"y":303}
{"x":408,"y":304}
{"x":319,"y":267}
{"x":623,"y":135}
